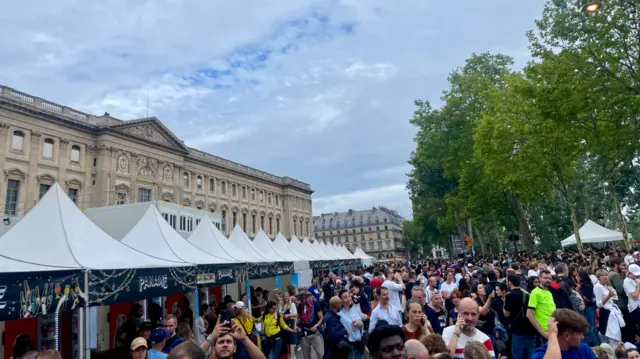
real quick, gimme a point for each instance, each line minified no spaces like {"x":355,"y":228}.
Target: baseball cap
{"x":158,"y":335}
{"x":138,"y":342}
{"x":635,"y":269}
{"x":239,"y":305}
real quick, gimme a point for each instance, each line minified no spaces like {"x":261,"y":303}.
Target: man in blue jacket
{"x":566,"y":332}
{"x":335,"y":332}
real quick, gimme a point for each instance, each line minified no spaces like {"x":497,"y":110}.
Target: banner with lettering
{"x":209,"y":276}
{"x":28,"y":294}
{"x":268,"y":270}
{"x":129,"y":285}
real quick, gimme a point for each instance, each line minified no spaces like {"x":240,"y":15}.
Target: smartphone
{"x":226,"y":316}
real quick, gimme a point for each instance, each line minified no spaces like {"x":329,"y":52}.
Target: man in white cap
{"x":632,"y":289}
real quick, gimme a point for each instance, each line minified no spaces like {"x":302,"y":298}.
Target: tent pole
{"x":86,"y":316}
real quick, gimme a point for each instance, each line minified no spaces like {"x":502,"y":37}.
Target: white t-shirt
{"x":395,"y":292}
{"x":630,"y":287}
{"x":444,"y":287}
{"x":479,"y":336}
{"x":532,"y":273}
{"x":629,"y":260}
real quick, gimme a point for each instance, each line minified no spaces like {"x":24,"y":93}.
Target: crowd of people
{"x":521,"y":306}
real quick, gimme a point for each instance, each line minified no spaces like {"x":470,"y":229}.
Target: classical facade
{"x":378,"y":231}
{"x":101,"y":160}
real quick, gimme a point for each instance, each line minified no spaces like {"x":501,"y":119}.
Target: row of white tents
{"x":56,"y":235}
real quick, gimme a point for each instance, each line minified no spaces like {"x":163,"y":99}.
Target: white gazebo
{"x":592,"y":233}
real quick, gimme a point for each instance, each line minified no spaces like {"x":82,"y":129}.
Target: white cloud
{"x":314,"y":89}
{"x":393,"y":196}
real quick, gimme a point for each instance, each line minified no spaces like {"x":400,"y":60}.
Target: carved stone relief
{"x":123,"y":164}
{"x":147,"y":131}
{"x":146,"y":172}
{"x":167,"y":173}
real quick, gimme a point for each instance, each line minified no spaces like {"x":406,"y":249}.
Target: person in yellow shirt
{"x":273,"y":323}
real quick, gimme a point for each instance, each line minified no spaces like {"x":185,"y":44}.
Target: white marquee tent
{"x":317,"y":251}
{"x":152,"y":235}
{"x":209,"y":239}
{"x":295,"y":246}
{"x":286,"y":250}
{"x":592,"y":232}
{"x":263,"y":243}
{"x":71,"y":240}
{"x":239,"y":239}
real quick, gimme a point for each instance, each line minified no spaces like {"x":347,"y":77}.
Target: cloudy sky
{"x":321,"y":91}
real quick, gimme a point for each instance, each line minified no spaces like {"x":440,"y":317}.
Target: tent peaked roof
{"x":153,"y":235}
{"x":268,"y":249}
{"x":56,"y":233}
{"x":208,"y":238}
{"x":359,"y":253}
{"x":591,"y":232}
{"x":314,"y":249}
{"x":323,"y":248}
{"x":295,"y":246}
{"x":240,"y":239}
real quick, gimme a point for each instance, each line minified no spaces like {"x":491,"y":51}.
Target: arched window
{"x":17,"y":141}
{"x":75,"y":154}
{"x":47,"y":148}
{"x":185,"y":179}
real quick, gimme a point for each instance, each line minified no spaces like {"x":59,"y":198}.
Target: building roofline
{"x":52,"y":111}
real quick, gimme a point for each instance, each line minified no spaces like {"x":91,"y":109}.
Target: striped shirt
{"x":479,"y":336}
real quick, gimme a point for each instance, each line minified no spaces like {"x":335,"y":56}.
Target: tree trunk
{"x":576,"y":229}
{"x":470,"y":233}
{"x":623,"y":223}
{"x":523,"y":223}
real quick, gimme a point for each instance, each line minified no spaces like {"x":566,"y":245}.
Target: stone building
{"x":101,"y":160}
{"x":378,"y":231}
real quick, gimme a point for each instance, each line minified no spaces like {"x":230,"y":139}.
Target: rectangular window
{"x":262,"y":222}
{"x":244,"y":222}
{"x":270,"y":225}
{"x":197,"y":222}
{"x":75,"y":154}
{"x":17,"y":141}
{"x":73,"y":194}
{"x":223,"y":188}
{"x":47,"y":149}
{"x":261,"y":196}
{"x":11,"y":200}
{"x":218,"y":226}
{"x":43,"y":189}
{"x":199,"y":183}
{"x":189,"y":224}
{"x":212,"y":185}
{"x":223,"y":214}
{"x":269,"y":198}
{"x":277,"y":199}
{"x":144,"y":194}
{"x":244,"y":192}
{"x":233,"y":190}
{"x":253,"y":194}
{"x":171,"y":219}
{"x":253,"y":223}
{"x":183,"y":223}
{"x":278,"y":225}
{"x":234,"y":216}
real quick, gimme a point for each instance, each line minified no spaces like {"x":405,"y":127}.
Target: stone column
{"x":104,"y":186}
{"x":133,"y":178}
{"x":63,"y":159}
{"x":86,"y":199}
{"x":32,"y":180}
{"x":4,"y":140}
{"x":286,"y":224}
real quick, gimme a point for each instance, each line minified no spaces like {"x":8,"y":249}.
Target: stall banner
{"x":268,"y":270}
{"x":129,"y":285}
{"x":28,"y":294}
{"x":318,"y":265}
{"x":210,"y":276}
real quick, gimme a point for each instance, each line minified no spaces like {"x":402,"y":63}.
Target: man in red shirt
{"x":376,"y":281}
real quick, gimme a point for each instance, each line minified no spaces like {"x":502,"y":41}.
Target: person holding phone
{"x":273,"y":325}
{"x":417,"y":324}
{"x":457,"y":336}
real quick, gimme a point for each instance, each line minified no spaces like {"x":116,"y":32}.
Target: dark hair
{"x":270,"y":304}
{"x":570,"y":321}
{"x":383,"y":332}
{"x":544,"y":271}
{"x":23,"y":346}
{"x":380,"y":289}
{"x":613,"y":261}
{"x":502,"y":286}
{"x":186,"y":350}
{"x":514,"y":279}
{"x":491,"y":275}
{"x":341,"y":292}
{"x":203,"y":308}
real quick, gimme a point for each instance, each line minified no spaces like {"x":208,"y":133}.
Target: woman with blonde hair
{"x":185,"y":332}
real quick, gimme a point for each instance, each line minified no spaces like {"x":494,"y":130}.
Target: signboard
{"x":211,"y":276}
{"x":27,"y":294}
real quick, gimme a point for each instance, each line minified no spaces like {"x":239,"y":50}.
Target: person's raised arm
{"x":553,"y":347}
{"x":239,"y":335}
